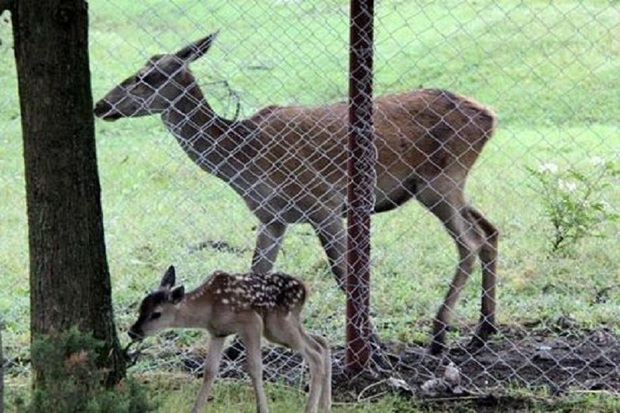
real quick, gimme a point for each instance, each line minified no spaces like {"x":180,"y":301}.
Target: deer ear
{"x":197,"y":49}
{"x":177,"y":294}
{"x":169,"y":278}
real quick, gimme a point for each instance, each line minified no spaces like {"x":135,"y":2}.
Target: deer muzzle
{"x":104,"y":110}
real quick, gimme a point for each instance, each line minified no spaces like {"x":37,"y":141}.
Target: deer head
{"x":157,"y":310}
{"x":155,"y":87}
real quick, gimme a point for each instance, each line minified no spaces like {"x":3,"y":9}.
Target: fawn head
{"x":157,"y":308}
{"x":154,"y":88}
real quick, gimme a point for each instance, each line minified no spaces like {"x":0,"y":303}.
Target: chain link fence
{"x":546,"y":179}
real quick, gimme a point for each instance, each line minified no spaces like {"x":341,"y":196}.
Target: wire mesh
{"x":546,"y":179}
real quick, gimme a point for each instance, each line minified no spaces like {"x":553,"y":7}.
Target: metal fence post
{"x":361,"y":184}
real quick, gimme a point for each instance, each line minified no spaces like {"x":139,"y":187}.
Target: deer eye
{"x":155,"y":316}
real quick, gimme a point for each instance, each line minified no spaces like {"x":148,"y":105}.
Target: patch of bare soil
{"x":537,"y":358}
{"x":548,"y":361}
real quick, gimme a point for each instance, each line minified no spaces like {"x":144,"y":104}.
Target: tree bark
{"x":69,"y":276}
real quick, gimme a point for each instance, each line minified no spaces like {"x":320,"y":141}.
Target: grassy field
{"x":549,"y":70}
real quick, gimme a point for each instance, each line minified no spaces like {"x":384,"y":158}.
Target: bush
{"x":71,"y":381}
{"x":573,"y":200}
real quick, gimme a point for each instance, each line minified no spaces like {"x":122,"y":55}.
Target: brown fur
{"x":289,"y":164}
{"x":251,"y":306}
{"x":259,"y":292}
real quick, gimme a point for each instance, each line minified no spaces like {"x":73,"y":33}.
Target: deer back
{"x":418,"y":135}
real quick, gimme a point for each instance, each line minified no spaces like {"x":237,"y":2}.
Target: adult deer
{"x":288,"y":164}
{"x":250,"y":305}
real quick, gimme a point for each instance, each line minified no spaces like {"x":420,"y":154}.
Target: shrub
{"x":72,"y":381}
{"x":573,"y":200}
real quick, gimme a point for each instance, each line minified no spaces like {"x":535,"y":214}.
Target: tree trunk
{"x":69,"y":277}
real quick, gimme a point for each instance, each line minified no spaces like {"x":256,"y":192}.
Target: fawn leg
{"x":212,"y":365}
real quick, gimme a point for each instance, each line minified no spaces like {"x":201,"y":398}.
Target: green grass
{"x":549,"y":69}
{"x":237,"y":395}
{"x":172,"y":393}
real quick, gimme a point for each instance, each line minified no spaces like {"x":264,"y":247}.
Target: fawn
{"x":251,"y":306}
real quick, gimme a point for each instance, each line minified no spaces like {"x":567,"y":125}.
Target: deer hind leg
{"x":451,"y":209}
{"x":323,"y":347}
{"x":251,"y":336}
{"x":268,"y":243}
{"x":211,"y":367}
{"x":488,"y":258}
{"x":288,"y":331}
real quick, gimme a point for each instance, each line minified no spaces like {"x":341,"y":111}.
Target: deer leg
{"x":212,"y":365}
{"x":323,"y":347}
{"x":451,"y":209}
{"x":315,"y":357}
{"x":251,"y":335}
{"x":333,"y":238}
{"x":488,"y":258}
{"x":444,"y":315}
{"x":322,"y":381}
{"x":268,"y":243}
{"x":288,"y":331}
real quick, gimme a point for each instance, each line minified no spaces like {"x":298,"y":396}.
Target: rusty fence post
{"x":360,"y":192}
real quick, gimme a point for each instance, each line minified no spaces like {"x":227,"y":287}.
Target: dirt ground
{"x":555,"y":363}
{"x":555,"y":360}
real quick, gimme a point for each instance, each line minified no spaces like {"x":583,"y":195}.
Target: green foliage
{"x":70,"y":380}
{"x":573,"y":200}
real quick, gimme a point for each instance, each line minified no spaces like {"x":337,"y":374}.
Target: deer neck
{"x":192,"y":312}
{"x":209,"y":140}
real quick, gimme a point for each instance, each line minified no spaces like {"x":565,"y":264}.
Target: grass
{"x":173,"y":393}
{"x":549,"y":69}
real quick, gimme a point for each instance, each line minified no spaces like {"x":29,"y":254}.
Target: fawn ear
{"x":177,"y":294}
{"x":197,"y":49}
{"x":168,"y":279}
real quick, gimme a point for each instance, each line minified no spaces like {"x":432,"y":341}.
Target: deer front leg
{"x":212,"y":365}
{"x":268,"y":243}
{"x":333,"y":238}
